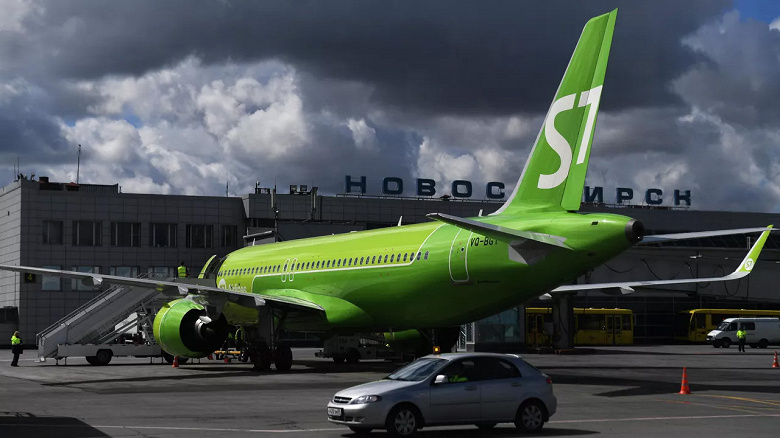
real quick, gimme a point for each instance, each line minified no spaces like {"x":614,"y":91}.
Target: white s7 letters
{"x":559,"y":143}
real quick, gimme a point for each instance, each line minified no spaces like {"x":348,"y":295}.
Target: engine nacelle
{"x":182,"y":328}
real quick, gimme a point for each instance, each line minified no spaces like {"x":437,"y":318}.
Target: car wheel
{"x":725,"y":343}
{"x":486,"y":426}
{"x":763,"y":343}
{"x":716,"y":344}
{"x":530,"y":416}
{"x":402,"y":420}
{"x":360,"y":431}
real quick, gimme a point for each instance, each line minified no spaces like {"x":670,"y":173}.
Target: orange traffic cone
{"x":684,"y":389}
{"x":775,"y":364}
{"x":175,"y":362}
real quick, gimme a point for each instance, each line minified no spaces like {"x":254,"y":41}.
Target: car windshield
{"x":417,"y":370}
{"x":723,"y":326}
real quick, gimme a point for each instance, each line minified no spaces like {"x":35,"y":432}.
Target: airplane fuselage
{"x":424,"y":275}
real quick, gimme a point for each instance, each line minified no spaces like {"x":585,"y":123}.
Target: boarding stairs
{"x":104,"y":318}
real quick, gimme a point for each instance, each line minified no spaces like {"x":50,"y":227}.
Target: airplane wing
{"x":626,"y":287}
{"x":180,"y":286}
{"x":660,"y":238}
{"x":498,"y":232}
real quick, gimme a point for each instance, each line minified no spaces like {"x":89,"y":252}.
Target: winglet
{"x":750,"y":259}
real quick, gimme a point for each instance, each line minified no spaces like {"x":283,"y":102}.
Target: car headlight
{"x":365,"y":399}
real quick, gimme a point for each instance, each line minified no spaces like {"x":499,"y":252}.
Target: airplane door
{"x":459,"y":272}
{"x":285,"y":269}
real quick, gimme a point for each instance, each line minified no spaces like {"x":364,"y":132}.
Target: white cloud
{"x":363,"y":135}
{"x":15,"y":12}
{"x":775,"y":24}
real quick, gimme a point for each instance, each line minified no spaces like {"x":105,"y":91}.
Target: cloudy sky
{"x":184,"y":97}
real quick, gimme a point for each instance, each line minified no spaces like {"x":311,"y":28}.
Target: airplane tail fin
{"x":554,"y":174}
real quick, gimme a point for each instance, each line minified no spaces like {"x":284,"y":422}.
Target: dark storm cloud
{"x":443,"y":57}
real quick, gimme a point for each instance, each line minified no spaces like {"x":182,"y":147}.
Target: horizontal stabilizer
{"x":742,"y":270}
{"x":498,"y":232}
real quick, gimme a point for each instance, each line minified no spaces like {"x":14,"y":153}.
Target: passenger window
{"x":405,"y":256}
{"x":349,"y":262}
{"x":386,"y":256}
{"x":391,"y":258}
{"x":339,"y":263}
{"x":398,"y":257}
{"x":489,"y":368}
{"x":426,"y":255}
{"x":418,"y":255}
{"x":361,"y":261}
{"x":373,"y":260}
{"x":749,"y":325}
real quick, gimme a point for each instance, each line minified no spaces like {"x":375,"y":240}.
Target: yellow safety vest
{"x":741,"y":334}
{"x":15,"y":340}
{"x":182,"y":271}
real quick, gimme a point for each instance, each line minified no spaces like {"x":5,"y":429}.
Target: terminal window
{"x":125,"y":234}
{"x":229,"y":235}
{"x":86,"y":233}
{"x":162,"y":235}
{"x":200,"y":236}
{"x":52,"y":232}
{"x":50,"y":283}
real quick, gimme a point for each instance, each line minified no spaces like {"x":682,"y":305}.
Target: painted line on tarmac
{"x":213,"y":429}
{"x":691,"y":417}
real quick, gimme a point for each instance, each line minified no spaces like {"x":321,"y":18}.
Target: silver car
{"x":456,"y":388}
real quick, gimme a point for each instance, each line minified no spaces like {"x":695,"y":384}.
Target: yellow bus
{"x":592,"y":326}
{"x":693,"y":325}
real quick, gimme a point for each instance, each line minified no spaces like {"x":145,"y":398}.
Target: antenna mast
{"x":78,"y":165}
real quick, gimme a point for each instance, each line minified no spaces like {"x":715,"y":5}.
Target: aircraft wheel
{"x":283,"y":358}
{"x":261,"y":357}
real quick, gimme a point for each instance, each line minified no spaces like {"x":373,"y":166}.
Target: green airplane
{"x":441,"y":274}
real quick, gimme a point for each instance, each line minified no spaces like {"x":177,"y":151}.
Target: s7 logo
{"x":559,"y":144}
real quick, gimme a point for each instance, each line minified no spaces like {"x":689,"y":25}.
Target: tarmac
{"x":607,"y":391}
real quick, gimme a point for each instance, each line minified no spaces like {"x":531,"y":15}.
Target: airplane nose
{"x":635,"y":231}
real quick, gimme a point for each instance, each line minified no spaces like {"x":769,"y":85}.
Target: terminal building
{"x":97,"y":228}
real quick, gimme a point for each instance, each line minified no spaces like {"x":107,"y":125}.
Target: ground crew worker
{"x":456,"y":373}
{"x":16,"y":348}
{"x":239,"y":338}
{"x":182,"y":270}
{"x":741,"y":338}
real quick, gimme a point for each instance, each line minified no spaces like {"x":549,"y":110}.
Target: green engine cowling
{"x":180,"y":330}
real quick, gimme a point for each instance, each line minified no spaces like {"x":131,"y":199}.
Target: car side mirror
{"x":441,"y":378}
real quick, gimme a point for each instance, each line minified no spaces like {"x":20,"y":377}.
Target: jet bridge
{"x":88,"y":330}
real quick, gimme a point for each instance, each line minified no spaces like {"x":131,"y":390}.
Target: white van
{"x":761,"y":332}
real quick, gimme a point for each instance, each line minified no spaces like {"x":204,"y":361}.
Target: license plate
{"x":335,"y":412}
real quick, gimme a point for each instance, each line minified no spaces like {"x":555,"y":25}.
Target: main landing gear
{"x":260,"y":352}
{"x":262,"y":356}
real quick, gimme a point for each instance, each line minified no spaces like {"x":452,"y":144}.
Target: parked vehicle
{"x":483,"y":389}
{"x":761,"y":332}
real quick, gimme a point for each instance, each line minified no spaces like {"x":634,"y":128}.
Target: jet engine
{"x":183,"y":328}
